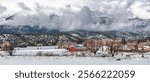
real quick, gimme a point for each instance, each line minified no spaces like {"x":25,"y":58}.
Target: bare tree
{"x":93,"y":45}
{"x":10,"y":50}
{"x":8,"y":47}
{"x":142,"y":50}
{"x":114,"y":47}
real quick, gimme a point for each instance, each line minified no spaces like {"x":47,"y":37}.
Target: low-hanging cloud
{"x":95,"y":15}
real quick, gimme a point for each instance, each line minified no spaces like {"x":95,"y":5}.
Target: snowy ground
{"x":72,"y":60}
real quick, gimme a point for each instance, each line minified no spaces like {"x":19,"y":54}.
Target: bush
{"x":39,"y":54}
{"x":48,"y":54}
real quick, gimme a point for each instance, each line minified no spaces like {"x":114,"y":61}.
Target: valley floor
{"x":72,"y":60}
{"x":29,"y":56}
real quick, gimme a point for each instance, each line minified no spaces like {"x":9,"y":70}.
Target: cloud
{"x":139,"y":10}
{"x":2,"y":9}
{"x":96,"y":15}
{"x":23,"y":6}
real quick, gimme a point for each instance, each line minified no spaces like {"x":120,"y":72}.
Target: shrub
{"x":44,"y":54}
{"x":39,"y":53}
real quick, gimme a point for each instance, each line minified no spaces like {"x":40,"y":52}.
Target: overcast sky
{"x":139,"y":7}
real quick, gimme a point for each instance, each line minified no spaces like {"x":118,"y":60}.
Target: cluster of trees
{"x":94,"y":45}
{"x":114,"y":46}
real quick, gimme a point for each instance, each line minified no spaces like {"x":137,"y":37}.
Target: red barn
{"x":72,"y":49}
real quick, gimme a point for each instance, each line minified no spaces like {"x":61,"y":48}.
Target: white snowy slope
{"x":68,"y":15}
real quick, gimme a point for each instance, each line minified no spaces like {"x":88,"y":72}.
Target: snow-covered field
{"x":72,"y":60}
{"x":28,"y":56}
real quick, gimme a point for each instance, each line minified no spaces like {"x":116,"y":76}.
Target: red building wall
{"x":72,"y":49}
